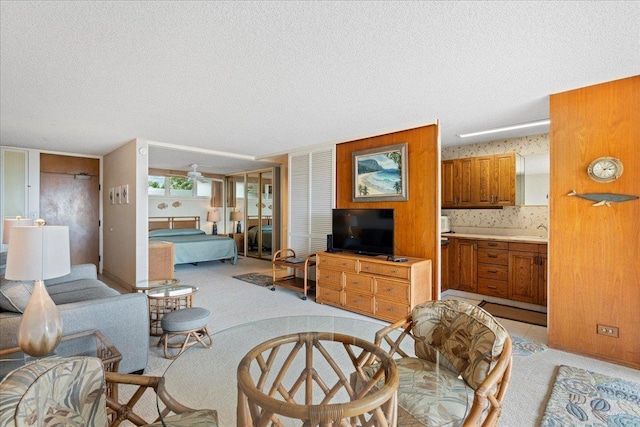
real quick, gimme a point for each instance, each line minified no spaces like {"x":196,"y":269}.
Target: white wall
{"x":125,"y":224}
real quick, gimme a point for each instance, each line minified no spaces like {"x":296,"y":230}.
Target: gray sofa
{"x":85,"y":303}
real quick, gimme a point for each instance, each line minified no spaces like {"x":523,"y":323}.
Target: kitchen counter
{"x":507,"y":235}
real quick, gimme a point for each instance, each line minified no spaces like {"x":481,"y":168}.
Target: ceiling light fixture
{"x":506,"y":128}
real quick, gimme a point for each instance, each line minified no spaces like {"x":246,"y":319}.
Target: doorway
{"x":70,"y":195}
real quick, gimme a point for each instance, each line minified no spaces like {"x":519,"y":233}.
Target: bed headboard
{"x":161,"y":222}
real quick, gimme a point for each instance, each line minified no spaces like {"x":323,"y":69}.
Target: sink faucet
{"x":543,"y":226}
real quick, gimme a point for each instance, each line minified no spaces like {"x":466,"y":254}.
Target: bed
{"x":253,"y":236}
{"x":191,"y":245}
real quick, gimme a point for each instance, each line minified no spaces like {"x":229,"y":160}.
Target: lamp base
{"x":215,"y":229}
{"x":41,"y":325}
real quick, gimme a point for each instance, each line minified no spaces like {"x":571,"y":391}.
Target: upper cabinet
{"x":491,"y":181}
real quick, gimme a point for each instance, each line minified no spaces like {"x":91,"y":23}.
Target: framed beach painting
{"x":380,"y":174}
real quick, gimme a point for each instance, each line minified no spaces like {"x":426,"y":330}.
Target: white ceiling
{"x":264,"y":78}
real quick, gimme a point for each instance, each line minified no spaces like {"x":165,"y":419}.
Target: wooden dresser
{"x":372,"y":286}
{"x":161,"y":259}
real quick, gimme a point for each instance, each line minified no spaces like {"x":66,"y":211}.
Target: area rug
{"x":581,"y":398}
{"x":526,"y":347}
{"x":515,"y":313}
{"x":256,"y":278}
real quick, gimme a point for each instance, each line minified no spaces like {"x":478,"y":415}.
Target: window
{"x":177,"y":186}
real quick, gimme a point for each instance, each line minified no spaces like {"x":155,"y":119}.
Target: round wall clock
{"x":605,"y":169}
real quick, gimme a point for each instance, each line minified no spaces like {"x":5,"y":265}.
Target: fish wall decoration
{"x":603,"y":199}
{"x":163,"y":206}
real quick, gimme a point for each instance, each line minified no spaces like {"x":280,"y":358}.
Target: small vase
{"x":41,"y":325}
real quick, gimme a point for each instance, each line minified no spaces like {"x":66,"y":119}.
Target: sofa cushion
{"x":79,"y":290}
{"x":14,"y":294}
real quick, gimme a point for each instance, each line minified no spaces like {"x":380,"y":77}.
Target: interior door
{"x":70,"y":195}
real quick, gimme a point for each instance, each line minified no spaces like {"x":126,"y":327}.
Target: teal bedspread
{"x":191,"y":245}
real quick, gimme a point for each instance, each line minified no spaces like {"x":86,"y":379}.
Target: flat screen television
{"x":363,"y":231}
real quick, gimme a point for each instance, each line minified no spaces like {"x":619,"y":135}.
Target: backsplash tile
{"x":511,"y":217}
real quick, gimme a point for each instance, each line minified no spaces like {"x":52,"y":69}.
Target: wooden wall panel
{"x":594,"y":252}
{"x":416,"y":220}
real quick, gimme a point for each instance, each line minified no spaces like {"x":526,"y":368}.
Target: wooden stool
{"x":190,"y":322}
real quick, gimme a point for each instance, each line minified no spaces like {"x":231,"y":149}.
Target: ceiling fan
{"x":193,"y":174}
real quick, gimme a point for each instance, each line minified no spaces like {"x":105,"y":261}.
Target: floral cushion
{"x":55,"y":391}
{"x":460,"y":336}
{"x":203,"y":417}
{"x":428,"y":394}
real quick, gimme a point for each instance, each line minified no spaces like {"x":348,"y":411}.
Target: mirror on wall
{"x":536,"y":179}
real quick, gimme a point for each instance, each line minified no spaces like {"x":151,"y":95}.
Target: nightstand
{"x":239,"y":238}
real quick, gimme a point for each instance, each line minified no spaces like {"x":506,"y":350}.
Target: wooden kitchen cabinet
{"x":482,"y":182}
{"x":445,"y":280}
{"x":493,"y":268}
{"x":464,"y":262}
{"x":510,"y":270}
{"x":375,"y":287}
{"x":527,"y":272}
{"x":457,"y":182}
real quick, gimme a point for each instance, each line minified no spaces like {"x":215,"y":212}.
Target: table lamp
{"x":214,"y":216}
{"x":236,"y":216}
{"x":39,"y":253}
{"x":9,"y":223}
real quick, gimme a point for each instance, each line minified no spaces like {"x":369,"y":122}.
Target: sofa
{"x":85,"y":303}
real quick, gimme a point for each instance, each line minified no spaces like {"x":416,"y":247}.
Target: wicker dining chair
{"x":461,"y":368}
{"x":71,"y":391}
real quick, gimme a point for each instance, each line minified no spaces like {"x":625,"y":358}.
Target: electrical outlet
{"x":610,"y":331}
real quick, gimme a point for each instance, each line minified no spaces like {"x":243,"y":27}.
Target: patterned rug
{"x":256,"y":278}
{"x":526,"y":347}
{"x":586,"y":399}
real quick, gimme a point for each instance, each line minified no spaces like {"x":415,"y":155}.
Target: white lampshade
{"x":9,"y":223}
{"x":213,"y":216}
{"x":38,"y":253}
{"x":235,"y":216}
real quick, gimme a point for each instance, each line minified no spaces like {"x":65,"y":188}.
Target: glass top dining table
{"x":204,"y":378}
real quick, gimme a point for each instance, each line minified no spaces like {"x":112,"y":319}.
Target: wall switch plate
{"x":610,"y":331}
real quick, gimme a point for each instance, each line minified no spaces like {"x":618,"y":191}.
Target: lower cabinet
{"x":375,"y":287}
{"x":510,"y":270}
{"x":527,"y":272}
{"x":464,"y":264}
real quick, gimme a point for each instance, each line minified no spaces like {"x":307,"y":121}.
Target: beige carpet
{"x":514,"y":313}
{"x":232,"y":302}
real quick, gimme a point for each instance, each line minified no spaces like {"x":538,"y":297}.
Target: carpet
{"x":581,"y":398}
{"x":515,"y":313}
{"x":256,"y":278}
{"x":526,"y":347}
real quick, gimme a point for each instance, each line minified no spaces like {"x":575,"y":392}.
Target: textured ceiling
{"x":263,"y":78}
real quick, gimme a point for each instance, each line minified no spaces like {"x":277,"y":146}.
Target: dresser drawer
{"x":396,"y":271}
{"x":329,"y":277}
{"x":496,"y":288}
{"x":493,"y":256}
{"x":393,"y":289}
{"x":343,"y":264}
{"x":495,"y":272}
{"x":391,"y":310}
{"x":328,"y":295}
{"x":358,"y":282}
{"x":359,"y":301}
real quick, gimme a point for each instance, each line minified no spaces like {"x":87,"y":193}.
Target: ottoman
{"x":188,"y":323}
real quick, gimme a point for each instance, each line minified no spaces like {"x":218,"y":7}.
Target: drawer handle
{"x":492,"y":287}
{"x":492,"y":271}
{"x":492,"y":256}
{"x":394,"y":271}
{"x":492,"y":244}
{"x":366,"y":268}
{"x":390,"y":290}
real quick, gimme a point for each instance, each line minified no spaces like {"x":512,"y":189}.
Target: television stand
{"x":375,"y":287}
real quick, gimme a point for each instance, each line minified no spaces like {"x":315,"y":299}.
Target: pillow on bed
{"x":166,"y":232}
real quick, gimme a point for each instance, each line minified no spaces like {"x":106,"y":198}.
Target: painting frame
{"x":369,"y":188}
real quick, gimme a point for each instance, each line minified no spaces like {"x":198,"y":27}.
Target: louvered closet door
{"x":311,"y":200}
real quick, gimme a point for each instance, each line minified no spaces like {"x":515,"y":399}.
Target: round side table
{"x":164,"y":299}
